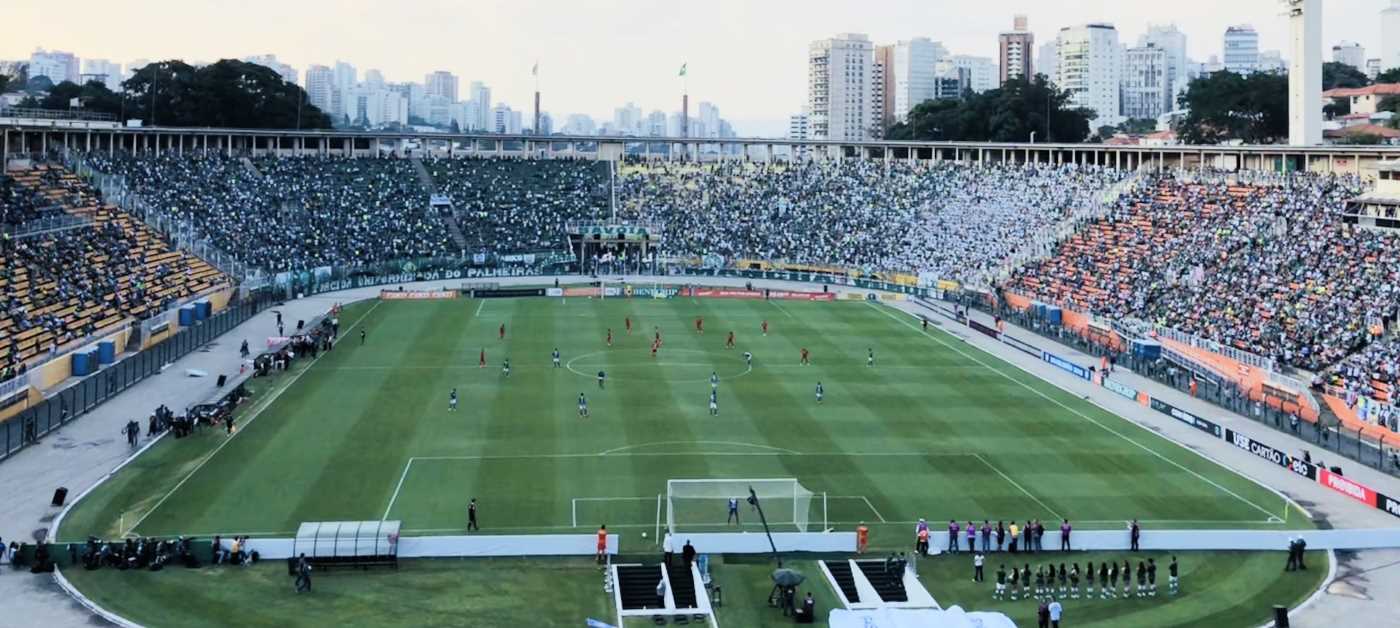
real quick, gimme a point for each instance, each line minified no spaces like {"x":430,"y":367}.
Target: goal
{"x":703,"y":505}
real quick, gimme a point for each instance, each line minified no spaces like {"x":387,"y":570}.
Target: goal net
{"x":700,"y":505}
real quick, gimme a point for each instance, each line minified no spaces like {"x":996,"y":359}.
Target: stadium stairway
{"x":841,"y":572}
{"x":252,"y":170}
{"x":637,"y":586}
{"x":425,"y":181}
{"x":889,"y":585}
{"x":682,"y":585}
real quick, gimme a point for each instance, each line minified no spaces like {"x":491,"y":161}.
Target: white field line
{"x":252,"y":417}
{"x":290,"y":533}
{"x":480,"y":305}
{"x":1081,"y":415}
{"x":781,"y":308}
{"x":699,"y":442}
{"x":397,"y":488}
{"x":872,"y":508}
{"x":573,"y":503}
{"x":1017,"y":485}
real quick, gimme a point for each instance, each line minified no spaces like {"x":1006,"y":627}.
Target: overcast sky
{"x":746,"y":56}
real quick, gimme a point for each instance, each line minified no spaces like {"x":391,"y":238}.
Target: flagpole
{"x":536,"y":72}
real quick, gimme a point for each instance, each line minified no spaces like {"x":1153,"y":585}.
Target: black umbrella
{"x":788,"y":577}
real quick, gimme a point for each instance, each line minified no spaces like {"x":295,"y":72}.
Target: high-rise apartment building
{"x":103,"y":71}
{"x":56,"y":65}
{"x":1047,"y":61}
{"x":627,"y":119}
{"x":884,"y":59}
{"x":1373,"y":68}
{"x":441,"y":83}
{"x":1390,"y":36}
{"x":1015,"y":49}
{"x":1350,"y":53}
{"x":1241,"y":54}
{"x":841,"y":90}
{"x":320,"y":84}
{"x":481,"y":95}
{"x":1147,"y":88}
{"x":1172,"y":42}
{"x":911,"y":74}
{"x":1090,"y":60}
{"x":982,"y":71}
{"x":799,"y":126}
{"x":287,"y":72}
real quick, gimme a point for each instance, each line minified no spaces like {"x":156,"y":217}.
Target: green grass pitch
{"x":935,"y":429}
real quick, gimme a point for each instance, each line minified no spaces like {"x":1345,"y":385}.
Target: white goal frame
{"x":786,"y":491}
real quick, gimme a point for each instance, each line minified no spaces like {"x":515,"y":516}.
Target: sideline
{"x":267,"y":402}
{"x":1091,"y":419}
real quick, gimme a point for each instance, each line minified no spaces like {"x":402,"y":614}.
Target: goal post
{"x":703,"y":504}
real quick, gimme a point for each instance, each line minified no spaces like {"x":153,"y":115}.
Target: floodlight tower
{"x":1305,"y":72}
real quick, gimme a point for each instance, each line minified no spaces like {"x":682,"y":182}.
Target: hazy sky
{"x":746,"y":56}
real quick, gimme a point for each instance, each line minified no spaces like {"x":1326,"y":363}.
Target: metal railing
{"x":54,"y":114}
{"x":1238,"y":355}
{"x":1328,"y":434}
{"x":33,"y":423}
{"x":49,"y":224}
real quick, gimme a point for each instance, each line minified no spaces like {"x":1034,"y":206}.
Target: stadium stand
{"x":283,"y":214}
{"x":515,"y":206}
{"x":1262,"y":265}
{"x":63,"y":285}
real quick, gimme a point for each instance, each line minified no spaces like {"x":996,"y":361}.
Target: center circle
{"x":677,"y":366}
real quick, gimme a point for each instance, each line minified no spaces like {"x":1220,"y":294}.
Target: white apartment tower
{"x":841,"y":88}
{"x":1172,"y":42}
{"x":1241,"y":49}
{"x":1147,"y":89}
{"x":1089,"y":67}
{"x":1390,"y":36}
{"x":1350,"y":53}
{"x":320,"y":84}
{"x":441,"y":83}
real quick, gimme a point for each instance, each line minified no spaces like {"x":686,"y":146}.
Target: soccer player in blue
{"x":714,"y":379}
{"x":601,"y":378}
{"x":821,"y":392}
{"x":869,"y":356}
{"x":505,"y":368}
{"x":714,"y":402}
{"x":555,"y":355}
{"x":582,"y":405}
{"x":452,"y":401}
{"x":748,"y":359}
{"x":733,"y":511}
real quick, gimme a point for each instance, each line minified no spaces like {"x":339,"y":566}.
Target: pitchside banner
{"x":1205,"y":425}
{"x":507,"y":293}
{"x":1355,"y":490}
{"x":1065,"y":365}
{"x":398,"y":295}
{"x":1296,"y":465}
{"x":1120,"y":389}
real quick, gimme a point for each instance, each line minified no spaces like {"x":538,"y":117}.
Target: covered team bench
{"x":347,"y":544}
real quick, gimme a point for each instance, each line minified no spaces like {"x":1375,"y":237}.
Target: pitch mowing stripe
{"x":253,"y":417}
{"x":1080,"y":414}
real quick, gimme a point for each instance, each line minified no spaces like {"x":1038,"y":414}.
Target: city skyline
{"x":593,"y":56}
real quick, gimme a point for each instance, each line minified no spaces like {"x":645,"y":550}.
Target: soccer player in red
{"x":729,"y":344}
{"x":482,"y":362}
{"x":503,"y":331}
{"x":765,"y":327}
{"x":805,"y":357}
{"x":628,"y":322}
{"x":658,"y":334}
{"x":656,"y":344}
{"x":609,"y":336}
{"x":699,"y":325}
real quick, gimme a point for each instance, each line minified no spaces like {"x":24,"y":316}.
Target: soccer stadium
{"x":414,"y":377}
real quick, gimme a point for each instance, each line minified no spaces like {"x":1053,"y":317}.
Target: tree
{"x":1138,"y":126}
{"x":1389,"y":76}
{"x":455,"y":127}
{"x":39,"y":83}
{"x":4,"y":83}
{"x":229,"y":93}
{"x":1008,"y":114}
{"x":1226,"y":106}
{"x":1336,"y":75}
{"x":92,"y":96}
{"x":1336,"y":108}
